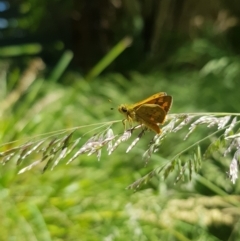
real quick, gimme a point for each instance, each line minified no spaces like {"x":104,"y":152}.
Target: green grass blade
{"x":61,"y":65}
{"x":109,"y":58}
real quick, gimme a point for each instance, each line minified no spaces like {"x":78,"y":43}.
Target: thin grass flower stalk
{"x":66,"y":146}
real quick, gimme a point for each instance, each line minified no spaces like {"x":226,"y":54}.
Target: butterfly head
{"x":123,"y":109}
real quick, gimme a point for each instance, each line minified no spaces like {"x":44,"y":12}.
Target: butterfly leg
{"x":124,"y":121}
{"x":129,"y":120}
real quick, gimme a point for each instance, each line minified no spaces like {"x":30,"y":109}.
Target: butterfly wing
{"x":150,"y":100}
{"x":165,"y":102}
{"x":150,"y":115}
{"x":161,"y":98}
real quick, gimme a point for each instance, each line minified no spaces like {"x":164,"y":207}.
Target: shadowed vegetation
{"x":119,"y":185}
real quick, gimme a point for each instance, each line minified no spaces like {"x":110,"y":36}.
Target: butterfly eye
{"x":124,"y":109}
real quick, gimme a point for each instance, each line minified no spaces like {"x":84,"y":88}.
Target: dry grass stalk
{"x":58,"y":147}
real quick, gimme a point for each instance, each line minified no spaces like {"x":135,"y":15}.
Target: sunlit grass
{"x":87,"y":199}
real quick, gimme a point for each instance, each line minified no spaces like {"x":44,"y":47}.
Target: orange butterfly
{"x":149,"y":112}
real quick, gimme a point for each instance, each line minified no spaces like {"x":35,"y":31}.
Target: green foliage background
{"x":87,"y":199}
